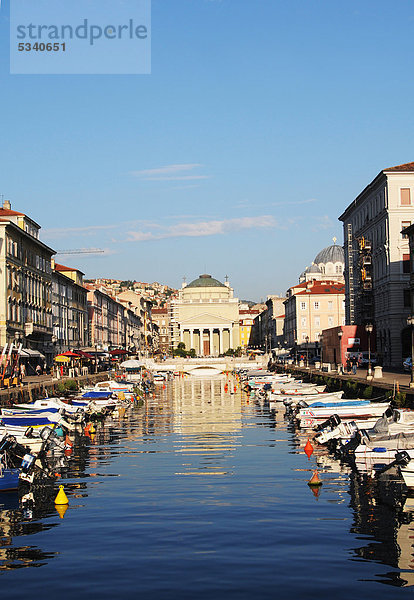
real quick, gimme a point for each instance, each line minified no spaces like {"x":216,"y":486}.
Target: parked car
{"x":407,"y":364}
{"x":363,"y":359}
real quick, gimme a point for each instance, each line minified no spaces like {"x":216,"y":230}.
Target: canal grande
{"x":202,"y":493}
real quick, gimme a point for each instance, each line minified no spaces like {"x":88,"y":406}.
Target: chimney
{"x":7,"y":205}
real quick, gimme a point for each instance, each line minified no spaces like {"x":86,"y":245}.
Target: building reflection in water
{"x":208,"y":417}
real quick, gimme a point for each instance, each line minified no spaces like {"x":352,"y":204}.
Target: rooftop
{"x":206,"y":281}
{"x":405,"y":167}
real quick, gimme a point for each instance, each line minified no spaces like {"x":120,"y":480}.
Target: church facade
{"x":205,"y":316}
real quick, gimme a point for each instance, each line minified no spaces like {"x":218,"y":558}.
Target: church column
{"x":191,"y":338}
{"x":231,"y":337}
{"x":211,"y":342}
{"x":181,"y":334}
{"x":201,"y":353}
{"x":221,"y":348}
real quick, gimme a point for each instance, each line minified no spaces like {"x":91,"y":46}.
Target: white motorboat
{"x":309,"y":417}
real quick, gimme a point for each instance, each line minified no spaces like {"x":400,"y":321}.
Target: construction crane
{"x":82,"y":251}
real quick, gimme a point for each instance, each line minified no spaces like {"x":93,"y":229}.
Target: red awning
{"x":83,"y":354}
{"x":118,"y":352}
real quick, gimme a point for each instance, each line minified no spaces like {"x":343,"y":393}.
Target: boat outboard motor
{"x":333,"y":422}
{"x":267,"y":387}
{"x":27,"y":468}
{"x":402,"y":458}
{"x":29,"y":432}
{"x":350,"y":447}
{"x":302,"y":404}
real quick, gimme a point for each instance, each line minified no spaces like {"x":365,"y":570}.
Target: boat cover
{"x":101,"y":395}
{"x":344,"y":403}
{"x":25,"y":421}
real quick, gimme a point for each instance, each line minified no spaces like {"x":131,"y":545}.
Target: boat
{"x":358,"y":409}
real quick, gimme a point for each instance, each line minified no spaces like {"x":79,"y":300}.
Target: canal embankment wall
{"x":392,"y":385}
{"x":33,"y":390}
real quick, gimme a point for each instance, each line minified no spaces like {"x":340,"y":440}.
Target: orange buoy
{"x":314,"y":481}
{"x":308,"y":449}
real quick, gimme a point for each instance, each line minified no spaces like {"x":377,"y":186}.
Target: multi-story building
{"x":311,"y":307}
{"x":377,"y":259}
{"x":69,"y":308}
{"x":205,"y":316}
{"x":143,"y":309}
{"x":25,"y":284}
{"x":108,"y":323}
{"x":161,"y":318}
{"x":247,"y":317}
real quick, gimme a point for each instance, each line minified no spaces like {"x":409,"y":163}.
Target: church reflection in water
{"x":207,"y":414}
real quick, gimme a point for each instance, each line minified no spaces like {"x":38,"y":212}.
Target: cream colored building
{"x":311,"y":307}
{"x":377,"y":259}
{"x":25,"y":284}
{"x":205,"y":316}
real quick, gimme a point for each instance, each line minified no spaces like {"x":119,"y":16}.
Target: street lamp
{"x":321,"y":349}
{"x":340,"y":334}
{"x":307,"y":350}
{"x":410,"y":322}
{"x":368,"y":328}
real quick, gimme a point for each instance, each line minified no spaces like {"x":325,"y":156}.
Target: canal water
{"x":202,"y":493}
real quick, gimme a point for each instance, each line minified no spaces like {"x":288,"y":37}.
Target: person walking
{"x":354,"y":365}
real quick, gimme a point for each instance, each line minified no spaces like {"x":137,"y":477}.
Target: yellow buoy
{"x":61,"y":509}
{"x":61,"y":498}
{"x":92,"y":429}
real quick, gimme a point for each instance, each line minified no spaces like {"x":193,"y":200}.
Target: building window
{"x":330,"y":321}
{"x":303,"y":305}
{"x":317,"y":322}
{"x":406,"y":263}
{"x":303,"y":321}
{"x":338,"y":269}
{"x":330,"y":305}
{"x":405,"y":197}
{"x":407,"y":298}
{"x":405,"y":224}
{"x":316,"y":305}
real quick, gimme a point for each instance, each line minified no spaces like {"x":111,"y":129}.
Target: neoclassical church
{"x":328,"y":264}
{"x":205,"y":316}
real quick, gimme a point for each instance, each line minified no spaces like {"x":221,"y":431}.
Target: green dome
{"x":206,"y":281}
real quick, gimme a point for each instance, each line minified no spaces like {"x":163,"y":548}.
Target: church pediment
{"x":205,"y":319}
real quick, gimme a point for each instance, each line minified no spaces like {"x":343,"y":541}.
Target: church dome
{"x":206,"y":281}
{"x":331,"y":254}
{"x":313,"y":269}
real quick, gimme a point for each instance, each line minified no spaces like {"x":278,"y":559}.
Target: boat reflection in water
{"x":384,"y":516}
{"x":18,"y":521}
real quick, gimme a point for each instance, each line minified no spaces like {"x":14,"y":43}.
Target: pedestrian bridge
{"x":203,"y":367}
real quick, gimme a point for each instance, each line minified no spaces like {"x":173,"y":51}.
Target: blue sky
{"x":260,"y":122}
